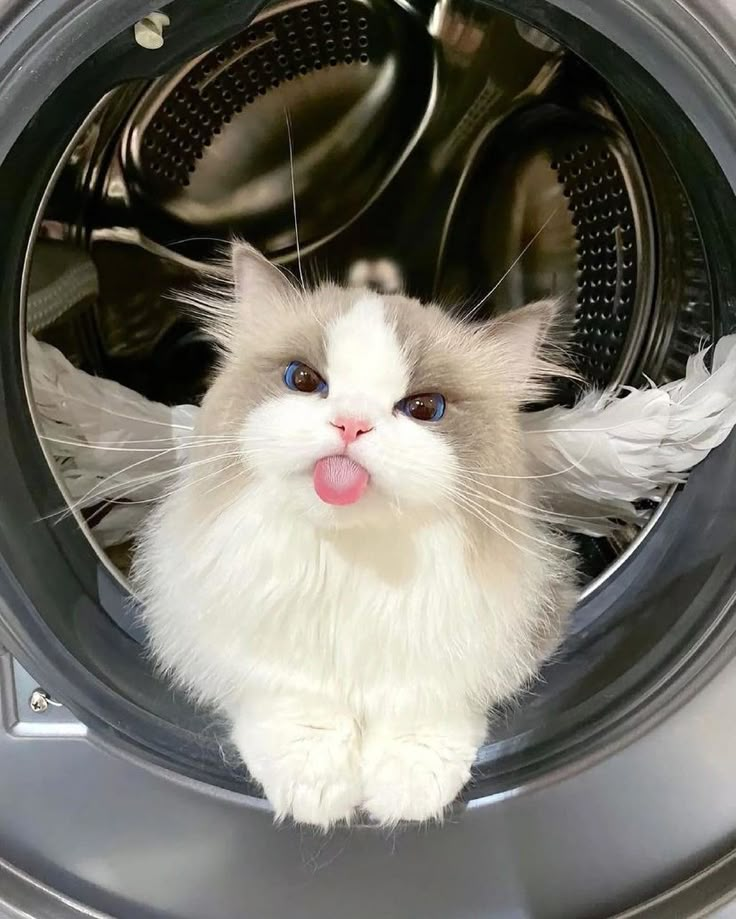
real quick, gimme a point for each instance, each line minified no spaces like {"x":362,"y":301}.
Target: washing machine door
{"x":608,"y":790}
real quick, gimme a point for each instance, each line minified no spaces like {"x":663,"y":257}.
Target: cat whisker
{"x":103,"y":408}
{"x":114,"y":447}
{"x":293,"y":197}
{"x":103,"y":492}
{"x":545,"y":475}
{"x":491,"y":524}
{"x":601,"y":430}
{"x":121,"y":495}
{"x":118,"y":502}
{"x":197,"y":239}
{"x":497,"y":524}
{"x":521,"y":509}
{"x":122,"y":499}
{"x":473,"y":312}
{"x":240,"y":455}
{"x":470,"y":502}
{"x":203,"y":478}
{"x":545,"y":514}
{"x":99,"y":489}
{"x":121,"y":394}
{"x":241,"y":472}
{"x":171,"y":439}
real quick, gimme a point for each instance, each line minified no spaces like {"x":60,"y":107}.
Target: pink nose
{"x":351,"y":428}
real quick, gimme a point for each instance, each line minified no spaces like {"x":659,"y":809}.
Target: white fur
{"x":353,"y":648}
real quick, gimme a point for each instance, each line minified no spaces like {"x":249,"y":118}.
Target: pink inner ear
{"x":524,"y":330}
{"x":255,"y":277}
{"x":522,"y":334}
{"x":340,"y":480}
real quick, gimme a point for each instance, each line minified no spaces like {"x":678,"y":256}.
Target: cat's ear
{"x":256,"y":279}
{"x":236,"y":289}
{"x":523,"y":332}
{"x":529,"y":343}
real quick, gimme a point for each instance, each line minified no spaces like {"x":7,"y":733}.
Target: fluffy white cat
{"x":353,"y":569}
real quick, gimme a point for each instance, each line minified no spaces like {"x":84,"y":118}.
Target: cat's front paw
{"x":309,"y":773}
{"x":319,"y":797}
{"x":415,"y":775}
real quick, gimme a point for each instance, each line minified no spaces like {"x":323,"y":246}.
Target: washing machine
{"x":453,"y":148}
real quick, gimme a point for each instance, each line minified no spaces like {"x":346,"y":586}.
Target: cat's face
{"x":349,"y":406}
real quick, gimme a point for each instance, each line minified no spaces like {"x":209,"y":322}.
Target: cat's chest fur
{"x":264,"y":596}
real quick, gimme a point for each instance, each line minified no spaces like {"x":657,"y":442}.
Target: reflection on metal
{"x":208,"y":146}
{"x":710,"y":892}
{"x":381,"y":274}
{"x":22,"y":896}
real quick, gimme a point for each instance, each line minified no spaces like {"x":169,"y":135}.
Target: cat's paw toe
{"x":310,"y":775}
{"x":319,"y":801}
{"x":406,"y":778}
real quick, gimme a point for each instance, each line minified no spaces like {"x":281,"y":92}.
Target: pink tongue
{"x":339,"y":480}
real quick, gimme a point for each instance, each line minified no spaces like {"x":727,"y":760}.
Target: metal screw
{"x":39,"y":701}
{"x":149,"y":32}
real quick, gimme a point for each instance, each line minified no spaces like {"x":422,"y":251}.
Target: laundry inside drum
{"x":453,"y":152}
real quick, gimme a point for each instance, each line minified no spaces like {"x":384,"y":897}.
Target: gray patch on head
{"x":291,"y":327}
{"x":481,"y":421}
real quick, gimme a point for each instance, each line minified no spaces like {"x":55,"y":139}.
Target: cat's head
{"x":349,"y":406}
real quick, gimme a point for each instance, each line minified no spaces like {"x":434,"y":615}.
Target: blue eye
{"x":301,"y":378}
{"x":426,"y":407}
